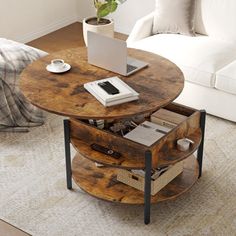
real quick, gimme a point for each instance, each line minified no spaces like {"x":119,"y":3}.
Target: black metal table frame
{"x":148,"y":163}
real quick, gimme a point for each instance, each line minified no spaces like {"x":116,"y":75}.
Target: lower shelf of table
{"x":101,"y":182}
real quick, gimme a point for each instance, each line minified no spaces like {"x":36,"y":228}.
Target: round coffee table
{"x":158,"y":85}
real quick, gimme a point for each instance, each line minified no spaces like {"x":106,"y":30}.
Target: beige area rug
{"x":33,"y":194}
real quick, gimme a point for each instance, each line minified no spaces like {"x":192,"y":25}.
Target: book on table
{"x":126,"y":93}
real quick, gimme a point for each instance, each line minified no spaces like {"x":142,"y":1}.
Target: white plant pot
{"x":106,"y":29}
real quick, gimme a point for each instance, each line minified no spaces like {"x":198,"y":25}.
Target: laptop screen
{"x":107,"y":53}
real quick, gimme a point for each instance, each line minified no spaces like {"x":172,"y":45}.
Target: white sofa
{"x":208,"y":60}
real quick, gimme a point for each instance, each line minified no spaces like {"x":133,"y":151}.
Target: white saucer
{"x":52,"y":69}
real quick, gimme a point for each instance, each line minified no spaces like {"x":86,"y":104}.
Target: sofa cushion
{"x":226,"y":78}
{"x":198,"y":57}
{"x":216,"y":18}
{"x":174,"y":16}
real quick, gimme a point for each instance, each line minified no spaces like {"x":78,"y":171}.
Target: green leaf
{"x":107,"y":7}
{"x":103,"y":11}
{"x":112,"y":6}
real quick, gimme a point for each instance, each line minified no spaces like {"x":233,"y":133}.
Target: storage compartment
{"x":164,"y":151}
{"x":137,"y":181}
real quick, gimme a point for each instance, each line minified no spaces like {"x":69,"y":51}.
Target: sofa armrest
{"x":142,"y":28}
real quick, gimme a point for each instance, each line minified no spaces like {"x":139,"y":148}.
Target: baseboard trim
{"x":80,"y":19}
{"x":47,"y":29}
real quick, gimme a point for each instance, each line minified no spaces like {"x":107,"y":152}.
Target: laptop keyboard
{"x":130,"y":68}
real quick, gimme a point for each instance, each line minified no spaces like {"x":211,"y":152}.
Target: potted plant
{"x":98,"y":23}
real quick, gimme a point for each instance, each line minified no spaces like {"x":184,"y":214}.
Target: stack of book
{"x":125,"y":94}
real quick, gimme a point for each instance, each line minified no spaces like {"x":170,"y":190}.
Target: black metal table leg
{"x":200,"y":149}
{"x":147,"y":190}
{"x":67,"y":153}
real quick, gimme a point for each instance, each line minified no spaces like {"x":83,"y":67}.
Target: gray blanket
{"x":16,"y":114}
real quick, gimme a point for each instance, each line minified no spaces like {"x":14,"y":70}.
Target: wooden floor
{"x":7,"y":229}
{"x":68,"y":37}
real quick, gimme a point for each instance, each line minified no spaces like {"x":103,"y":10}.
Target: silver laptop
{"x":111,"y":54}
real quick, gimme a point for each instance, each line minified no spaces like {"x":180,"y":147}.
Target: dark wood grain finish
{"x":181,"y":109}
{"x":164,"y":151}
{"x":102,"y":183}
{"x":169,"y":154}
{"x":125,"y":161}
{"x":83,"y":135}
{"x":64,"y":94}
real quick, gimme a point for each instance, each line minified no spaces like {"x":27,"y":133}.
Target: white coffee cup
{"x":58,"y":64}
{"x":184,"y":144}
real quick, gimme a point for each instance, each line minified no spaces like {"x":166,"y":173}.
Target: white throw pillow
{"x":216,"y":18}
{"x":174,"y":16}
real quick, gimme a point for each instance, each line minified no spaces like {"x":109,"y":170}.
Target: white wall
{"x":125,"y":16}
{"x":25,"y":20}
